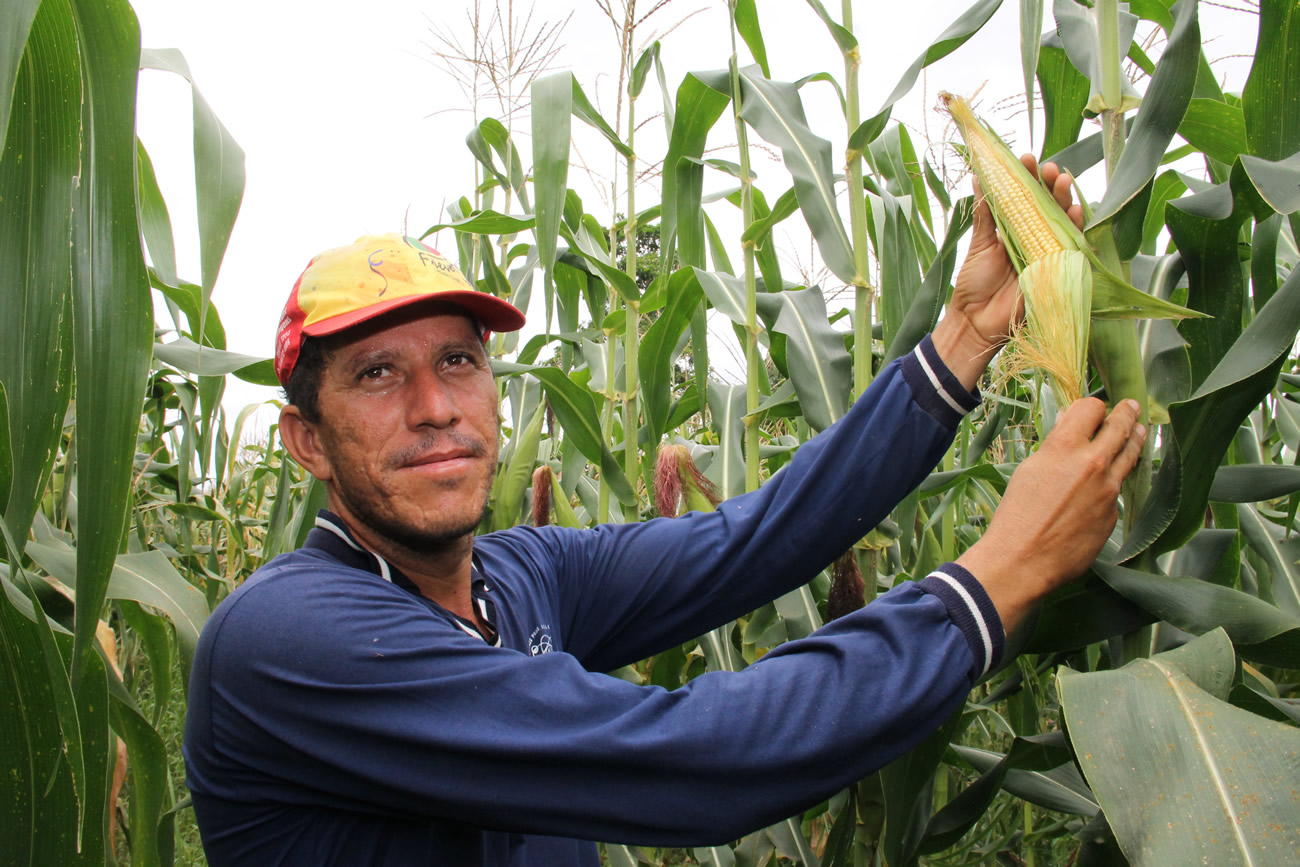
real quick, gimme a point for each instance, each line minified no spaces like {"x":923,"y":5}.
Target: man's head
{"x":391,"y":398}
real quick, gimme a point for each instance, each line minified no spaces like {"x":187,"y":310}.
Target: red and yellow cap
{"x":371,"y":276}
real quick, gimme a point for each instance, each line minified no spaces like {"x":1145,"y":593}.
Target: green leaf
{"x":1205,"y":424}
{"x":1078,"y":28}
{"x":552,"y":98}
{"x":659,"y":347}
{"x":514,"y":480}
{"x":701,"y":98}
{"x":1061,"y":789}
{"x":745,"y":16}
{"x":900,"y":282}
{"x":1162,"y":111}
{"x":485,"y":223}
{"x":1215,"y":128}
{"x":15,"y":24}
{"x":152,"y":826}
{"x":907,"y":784}
{"x":727,"y":414}
{"x":575,"y":409}
{"x":1112,"y":298}
{"x":1160,"y":726}
{"x":218,"y":172}
{"x":923,"y":312}
{"x":952,"y":38}
{"x":184,"y":354}
{"x":775,"y":111}
{"x":1031,"y":25}
{"x":1277,"y":183}
{"x":1271,"y":96}
{"x":1270,"y":543}
{"x":586,"y":112}
{"x":820,"y":366}
{"x":41,"y":154}
{"x":156,"y":222}
{"x":1260,"y":631}
{"x":147,"y":578}
{"x":112,"y":309}
{"x":1251,"y":483}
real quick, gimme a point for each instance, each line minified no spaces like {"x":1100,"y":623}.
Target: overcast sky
{"x":349,"y":128}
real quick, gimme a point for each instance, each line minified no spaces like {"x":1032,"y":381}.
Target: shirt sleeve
{"x":626,"y":591}
{"x":340,"y":692}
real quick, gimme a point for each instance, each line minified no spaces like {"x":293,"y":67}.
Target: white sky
{"x":348,"y":128}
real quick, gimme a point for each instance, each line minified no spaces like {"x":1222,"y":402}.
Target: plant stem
{"x":862,"y":294}
{"x":632,"y":330}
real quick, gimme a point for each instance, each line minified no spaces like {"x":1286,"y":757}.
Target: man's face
{"x":409,"y":425}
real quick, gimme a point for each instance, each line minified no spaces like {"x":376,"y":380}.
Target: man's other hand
{"x":1059,"y":508}
{"x":986,"y":302}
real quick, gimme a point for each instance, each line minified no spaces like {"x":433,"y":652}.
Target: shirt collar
{"x":332,"y":536}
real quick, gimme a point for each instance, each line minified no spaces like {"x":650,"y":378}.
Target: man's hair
{"x":303,"y":388}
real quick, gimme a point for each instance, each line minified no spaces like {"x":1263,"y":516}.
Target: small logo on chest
{"x":539,"y":641}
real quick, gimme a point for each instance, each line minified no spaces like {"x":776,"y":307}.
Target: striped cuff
{"x":937,"y":391}
{"x":972,"y":611}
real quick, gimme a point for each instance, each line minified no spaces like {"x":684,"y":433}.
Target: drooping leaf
{"x":727,"y":411}
{"x":701,"y":98}
{"x":184,"y":354}
{"x":1161,"y":726}
{"x":775,"y":111}
{"x":745,"y":16}
{"x":112,"y":310}
{"x":659,"y":345}
{"x":1272,"y":91}
{"x":819,"y":364}
{"x":1065,"y":93}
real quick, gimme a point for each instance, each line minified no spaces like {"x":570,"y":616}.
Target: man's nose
{"x":430,"y":401}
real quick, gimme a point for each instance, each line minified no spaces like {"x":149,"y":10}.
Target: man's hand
{"x":1059,"y":508}
{"x":986,"y":300}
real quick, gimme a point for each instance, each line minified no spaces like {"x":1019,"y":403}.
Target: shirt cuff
{"x":937,"y":390}
{"x":972,"y":611}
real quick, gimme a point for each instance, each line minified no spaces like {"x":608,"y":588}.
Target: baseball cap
{"x":372,"y":276}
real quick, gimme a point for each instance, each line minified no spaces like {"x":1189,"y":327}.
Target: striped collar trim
{"x":937,"y":390}
{"x":971,"y":610}
{"x":364,"y":558}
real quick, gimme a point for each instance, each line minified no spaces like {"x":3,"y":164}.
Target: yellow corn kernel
{"x":1031,"y":222}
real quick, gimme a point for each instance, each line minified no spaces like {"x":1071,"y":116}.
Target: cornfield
{"x":133,"y":503}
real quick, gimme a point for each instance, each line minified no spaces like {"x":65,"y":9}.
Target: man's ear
{"x":302,"y":439}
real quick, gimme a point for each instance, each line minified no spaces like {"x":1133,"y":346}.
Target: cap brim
{"x":491,"y":312}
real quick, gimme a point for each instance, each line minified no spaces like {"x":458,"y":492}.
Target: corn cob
{"x":1048,"y":252}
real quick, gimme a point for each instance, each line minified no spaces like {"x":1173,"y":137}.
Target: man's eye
{"x":374,"y":371}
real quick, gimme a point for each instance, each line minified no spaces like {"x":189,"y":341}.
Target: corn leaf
{"x":727,"y":412}
{"x":1166,"y":718}
{"x":552,"y":131}
{"x":1271,"y":93}
{"x":819,"y":365}
{"x":775,"y":111}
{"x":701,"y":98}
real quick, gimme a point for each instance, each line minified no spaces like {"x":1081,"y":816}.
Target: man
{"x":401,"y":692}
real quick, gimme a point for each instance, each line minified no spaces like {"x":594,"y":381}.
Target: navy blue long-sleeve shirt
{"x":338,"y":717}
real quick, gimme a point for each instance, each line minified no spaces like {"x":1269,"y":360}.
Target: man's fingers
{"x":1118,"y":427}
{"x":1080,"y":420}
{"x":984,"y":231}
{"x":1130,"y":453}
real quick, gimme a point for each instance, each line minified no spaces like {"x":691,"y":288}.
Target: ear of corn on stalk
{"x":1063,"y":282}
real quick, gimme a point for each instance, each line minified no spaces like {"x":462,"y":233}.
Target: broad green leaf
{"x":1114,"y":299}
{"x":552,"y":112}
{"x":1260,"y":632}
{"x":147,"y":578}
{"x":900,"y":281}
{"x":1162,"y":111}
{"x":1168,"y":185}
{"x":1270,"y":96}
{"x":907,"y":783}
{"x":586,"y":112}
{"x":952,"y":38}
{"x":112,"y":309}
{"x":150,"y":798}
{"x":1205,"y":424}
{"x":155,"y":635}
{"x":701,"y":98}
{"x":775,"y":111}
{"x":923,"y":312}
{"x":1269,"y":542}
{"x":1215,"y":128}
{"x":15,"y":24}
{"x":727,"y":412}
{"x":1160,"y":726}
{"x":478,"y":145}
{"x":41,"y":154}
{"x":1277,"y":183}
{"x":1251,"y":483}
{"x":514,"y":480}
{"x":575,"y":409}
{"x":6,"y":449}
{"x":156,"y":222}
{"x":659,"y":346}
{"x":820,"y":366}
{"x":499,"y":139}
{"x":843,"y":38}
{"x":1035,"y":752}
{"x":641,"y":69}
{"x":1061,"y":789}
{"x":1031,"y":25}
{"x":1081,"y":613}
{"x":218,"y":171}
{"x":745,"y":17}
{"x":485,"y":223}
{"x":184,"y":354}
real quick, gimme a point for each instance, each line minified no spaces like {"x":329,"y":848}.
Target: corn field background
{"x":1151,"y":716}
